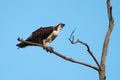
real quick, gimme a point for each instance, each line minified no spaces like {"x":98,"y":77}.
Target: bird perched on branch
{"x":43,"y":35}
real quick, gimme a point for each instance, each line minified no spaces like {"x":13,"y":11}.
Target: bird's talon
{"x":50,"y":49}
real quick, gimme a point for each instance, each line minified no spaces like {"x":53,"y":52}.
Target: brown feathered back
{"x":37,"y":36}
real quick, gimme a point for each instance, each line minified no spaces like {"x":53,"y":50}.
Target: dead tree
{"x":100,"y":68}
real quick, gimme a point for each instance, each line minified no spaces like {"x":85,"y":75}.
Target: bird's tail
{"x":22,"y":45}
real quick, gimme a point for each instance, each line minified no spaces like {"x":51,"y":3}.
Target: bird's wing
{"x":40,"y":34}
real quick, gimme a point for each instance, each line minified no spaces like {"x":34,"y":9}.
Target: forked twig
{"x":71,"y":39}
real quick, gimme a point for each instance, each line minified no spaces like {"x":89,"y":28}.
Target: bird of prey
{"x":43,"y":35}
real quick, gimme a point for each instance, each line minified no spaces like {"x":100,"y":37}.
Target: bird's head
{"x":60,"y":26}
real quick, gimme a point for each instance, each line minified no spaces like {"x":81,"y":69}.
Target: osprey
{"x":43,"y":35}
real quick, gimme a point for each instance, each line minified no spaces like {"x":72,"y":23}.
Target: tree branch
{"x":107,"y":37}
{"x":60,"y":55}
{"x":71,"y":39}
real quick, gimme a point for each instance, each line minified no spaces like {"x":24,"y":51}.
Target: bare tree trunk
{"x":102,"y":75}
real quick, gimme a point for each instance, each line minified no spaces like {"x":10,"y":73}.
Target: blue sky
{"x":19,"y":18}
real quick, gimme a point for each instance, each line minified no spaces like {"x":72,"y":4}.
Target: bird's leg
{"x":46,"y":47}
